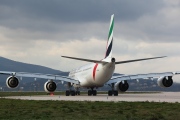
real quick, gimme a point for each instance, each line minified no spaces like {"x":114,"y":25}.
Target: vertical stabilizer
{"x":110,"y":39}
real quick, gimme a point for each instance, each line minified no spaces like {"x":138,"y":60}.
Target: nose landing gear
{"x":92,"y":92}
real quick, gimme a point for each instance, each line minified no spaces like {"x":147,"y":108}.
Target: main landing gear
{"x":72,"y":92}
{"x":112,"y":91}
{"x":92,"y":92}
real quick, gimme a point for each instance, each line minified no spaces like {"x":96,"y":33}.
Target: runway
{"x":171,"y":97}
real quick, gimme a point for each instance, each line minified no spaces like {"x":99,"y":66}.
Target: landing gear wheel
{"x":115,"y":93}
{"x":72,"y":93}
{"x":110,"y":93}
{"x":89,"y":92}
{"x":67,"y":92}
{"x":77,"y":92}
{"x":94,"y":92}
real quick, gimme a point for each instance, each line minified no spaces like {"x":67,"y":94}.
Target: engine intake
{"x":12,"y":82}
{"x":50,"y":86}
{"x":165,"y":82}
{"x":122,"y":86}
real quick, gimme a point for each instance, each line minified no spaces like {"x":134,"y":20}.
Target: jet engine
{"x":122,"y":86}
{"x":165,"y":81}
{"x":12,"y":82}
{"x":50,"y":86}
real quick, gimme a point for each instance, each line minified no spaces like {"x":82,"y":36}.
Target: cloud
{"x":79,"y":11}
{"x":163,"y":26}
{"x":134,"y":20}
{"x":39,"y":32}
{"x":57,"y":16}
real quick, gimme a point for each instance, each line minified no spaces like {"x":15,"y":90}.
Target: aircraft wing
{"x":40,"y":75}
{"x":115,"y":79}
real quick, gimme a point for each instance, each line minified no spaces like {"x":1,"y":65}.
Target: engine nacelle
{"x":12,"y":82}
{"x":165,"y":82}
{"x":122,"y":86}
{"x":50,"y":86}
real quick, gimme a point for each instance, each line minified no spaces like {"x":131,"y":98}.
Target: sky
{"x":40,"y":31}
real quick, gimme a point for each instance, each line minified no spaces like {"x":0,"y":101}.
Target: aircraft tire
{"x":73,"y":93}
{"x":89,"y":92}
{"x":115,"y":93}
{"x":67,"y":92}
{"x":94,"y":92}
{"x":77,"y":92}
{"x":110,"y":93}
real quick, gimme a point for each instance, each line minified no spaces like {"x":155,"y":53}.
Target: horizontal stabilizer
{"x":128,"y":61}
{"x":82,"y":59}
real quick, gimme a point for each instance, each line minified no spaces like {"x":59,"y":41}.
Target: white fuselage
{"x":93,"y":75}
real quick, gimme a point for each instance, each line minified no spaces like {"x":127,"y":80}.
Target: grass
{"x":86,"y":110}
{"x":22,"y":109}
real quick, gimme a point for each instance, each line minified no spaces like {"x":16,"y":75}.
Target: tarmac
{"x":170,"y":97}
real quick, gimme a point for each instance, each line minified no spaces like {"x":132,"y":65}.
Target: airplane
{"x":94,"y":75}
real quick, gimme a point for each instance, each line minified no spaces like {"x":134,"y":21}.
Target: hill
{"x":10,"y":65}
{"x":15,"y":66}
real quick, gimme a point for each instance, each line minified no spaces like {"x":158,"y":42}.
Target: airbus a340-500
{"x":94,"y":75}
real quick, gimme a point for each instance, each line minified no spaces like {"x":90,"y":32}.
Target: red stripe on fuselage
{"x":94,"y":71}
